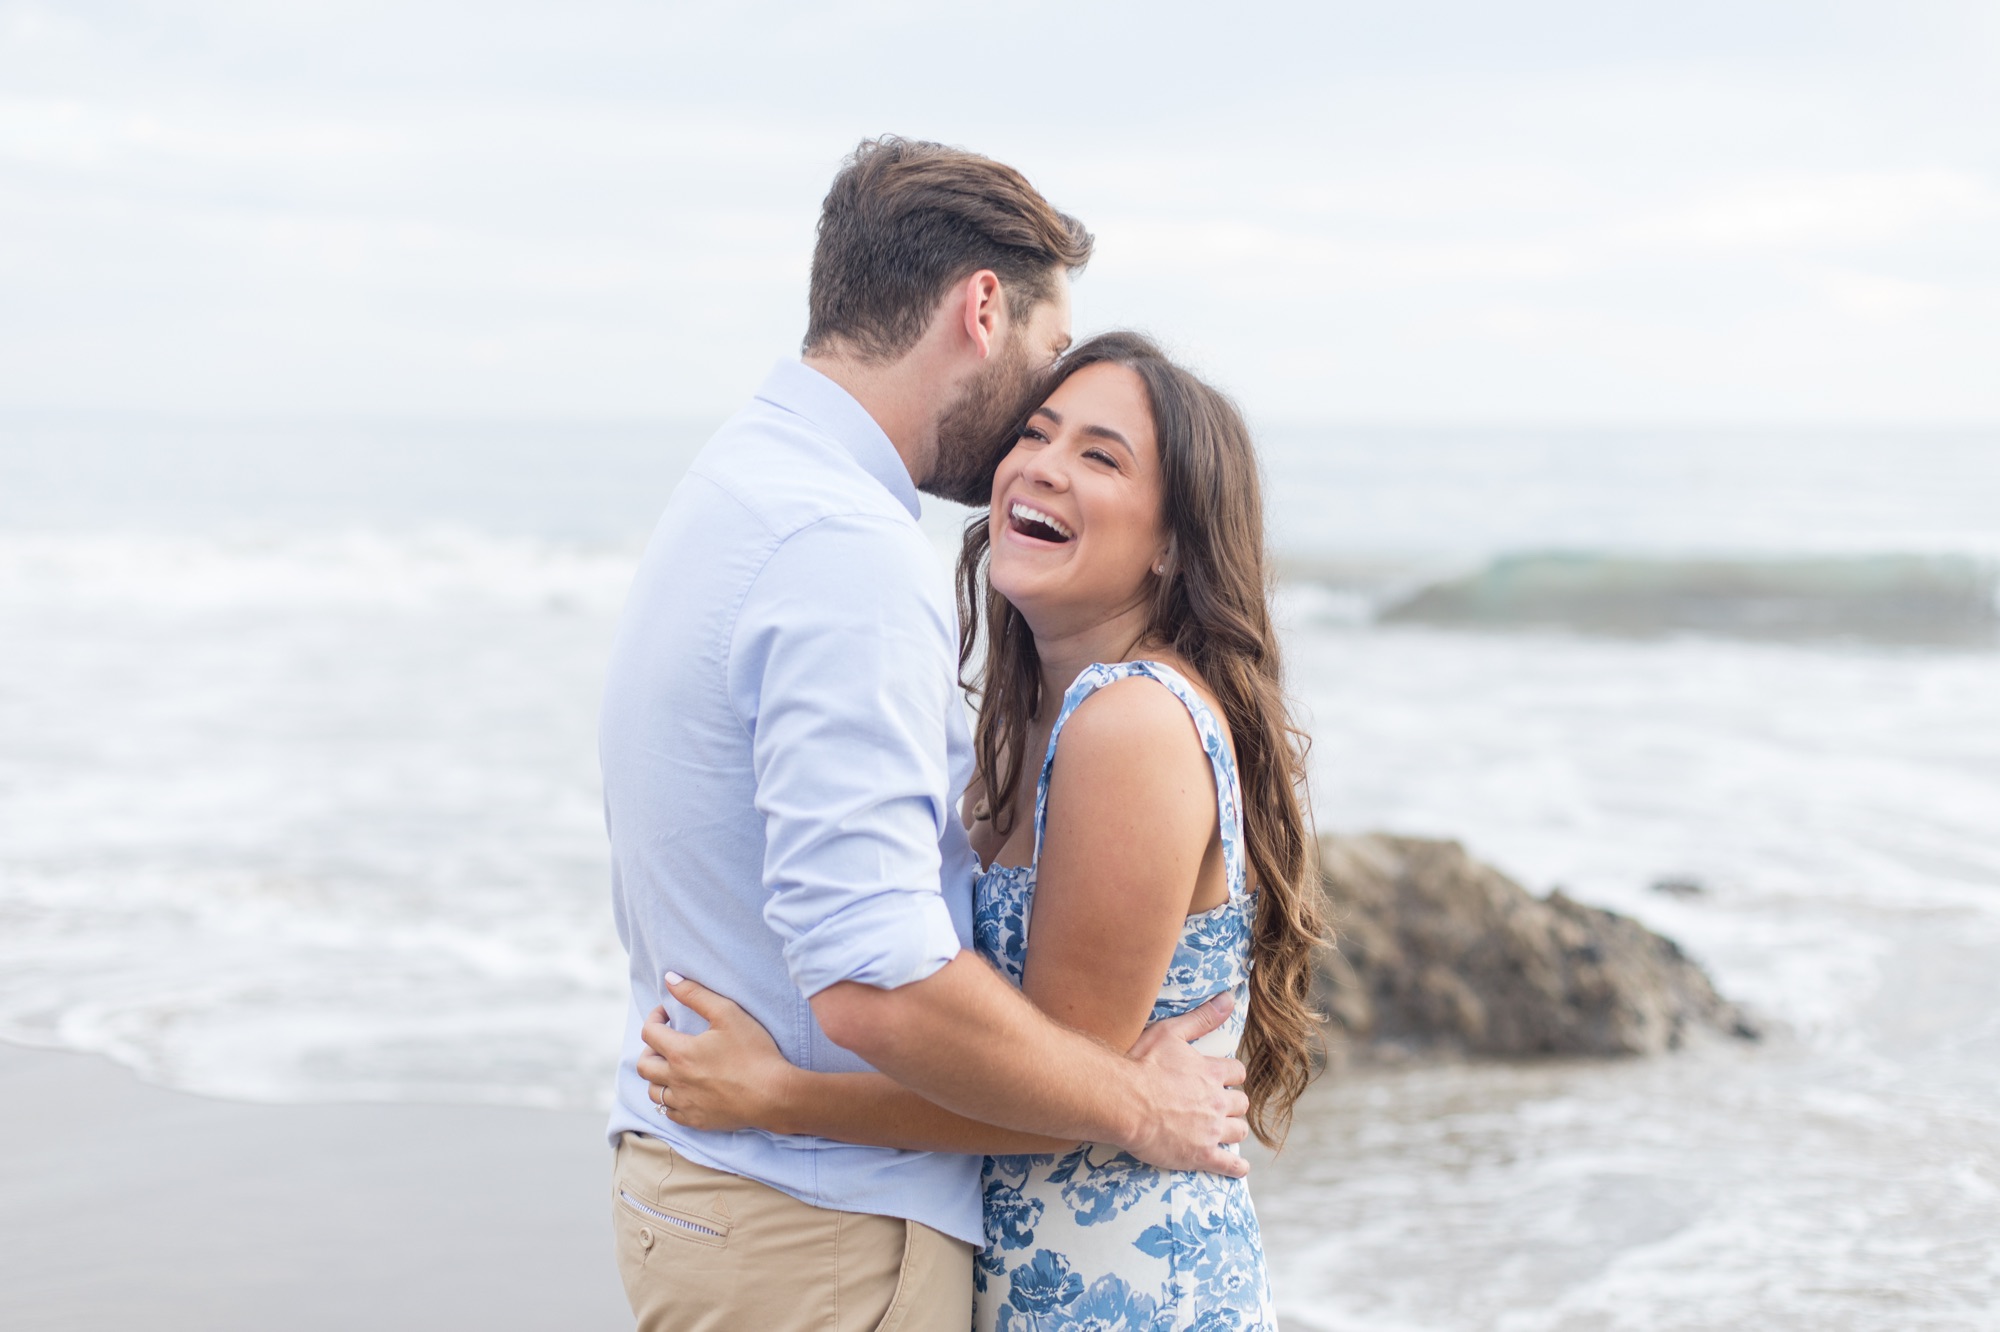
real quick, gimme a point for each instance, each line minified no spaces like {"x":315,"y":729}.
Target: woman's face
{"x":1077,"y":522}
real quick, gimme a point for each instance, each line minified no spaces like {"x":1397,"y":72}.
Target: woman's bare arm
{"x":1131,"y":818}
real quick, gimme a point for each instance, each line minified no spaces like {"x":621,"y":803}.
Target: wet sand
{"x":124,"y":1206}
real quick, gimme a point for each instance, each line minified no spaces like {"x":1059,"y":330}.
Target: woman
{"x":1120,"y":580}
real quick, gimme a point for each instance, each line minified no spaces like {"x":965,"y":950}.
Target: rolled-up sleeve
{"x":842,"y":666}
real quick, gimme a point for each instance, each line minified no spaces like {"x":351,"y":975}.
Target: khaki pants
{"x":705,"y":1251}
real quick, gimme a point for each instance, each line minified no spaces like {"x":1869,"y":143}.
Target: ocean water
{"x":298,"y":801}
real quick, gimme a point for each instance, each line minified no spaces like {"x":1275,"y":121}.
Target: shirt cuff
{"x":885,"y":940}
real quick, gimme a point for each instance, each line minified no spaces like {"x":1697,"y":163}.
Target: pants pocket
{"x":652,"y":1215}
{"x":893,"y":1317}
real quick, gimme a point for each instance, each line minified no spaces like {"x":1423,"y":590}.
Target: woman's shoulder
{"x":1154,"y":689}
{"x":1140,"y":717}
{"x":1134,"y":766}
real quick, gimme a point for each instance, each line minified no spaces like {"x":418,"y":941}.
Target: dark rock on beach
{"x":1437,"y":952}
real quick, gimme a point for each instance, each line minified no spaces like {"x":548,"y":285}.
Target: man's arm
{"x":967,"y":1040}
{"x":732,"y":1076}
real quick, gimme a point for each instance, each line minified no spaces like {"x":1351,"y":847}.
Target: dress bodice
{"x":1213,"y":953}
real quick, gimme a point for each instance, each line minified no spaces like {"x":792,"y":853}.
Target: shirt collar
{"x":804,"y":391}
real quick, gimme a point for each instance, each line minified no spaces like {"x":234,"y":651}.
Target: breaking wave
{"x":1919,"y":600}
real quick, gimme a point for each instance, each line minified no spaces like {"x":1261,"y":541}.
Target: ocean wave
{"x":1922,"y":600}
{"x":358,"y":568}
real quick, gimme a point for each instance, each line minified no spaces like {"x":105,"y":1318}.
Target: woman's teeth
{"x":1027,"y":519}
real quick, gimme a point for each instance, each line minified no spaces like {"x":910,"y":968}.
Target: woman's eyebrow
{"x":1094,"y":431}
{"x":1106,"y":432}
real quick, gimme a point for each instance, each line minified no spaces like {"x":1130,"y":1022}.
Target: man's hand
{"x":1189,"y":1104}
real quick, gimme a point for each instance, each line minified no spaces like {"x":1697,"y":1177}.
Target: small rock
{"x":1679,"y":886}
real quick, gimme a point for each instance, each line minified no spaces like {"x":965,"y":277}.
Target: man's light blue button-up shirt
{"x":783,"y":746}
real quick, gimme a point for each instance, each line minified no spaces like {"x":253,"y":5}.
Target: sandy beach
{"x":124,"y":1205}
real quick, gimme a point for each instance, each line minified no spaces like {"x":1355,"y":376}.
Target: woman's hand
{"x":729,"y":1077}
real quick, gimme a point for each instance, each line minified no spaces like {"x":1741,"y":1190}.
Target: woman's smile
{"x":1037,"y":524}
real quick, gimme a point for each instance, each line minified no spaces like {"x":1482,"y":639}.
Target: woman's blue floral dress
{"x":1094,"y":1239}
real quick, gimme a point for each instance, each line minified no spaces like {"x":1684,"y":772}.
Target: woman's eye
{"x":1029,"y":432}
{"x":1099,"y":455}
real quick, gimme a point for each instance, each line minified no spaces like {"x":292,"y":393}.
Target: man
{"x":783,"y":749}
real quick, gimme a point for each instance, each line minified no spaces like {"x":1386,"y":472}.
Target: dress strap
{"x":1221,"y":760}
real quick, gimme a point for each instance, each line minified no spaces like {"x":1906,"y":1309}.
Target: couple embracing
{"x":957,"y":1025}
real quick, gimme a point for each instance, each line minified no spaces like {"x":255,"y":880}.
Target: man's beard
{"x":976,"y":432}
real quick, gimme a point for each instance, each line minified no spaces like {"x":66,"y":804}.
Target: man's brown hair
{"x":905,"y":220}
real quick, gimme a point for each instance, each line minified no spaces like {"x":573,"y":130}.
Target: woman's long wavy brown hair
{"x":1212,"y":608}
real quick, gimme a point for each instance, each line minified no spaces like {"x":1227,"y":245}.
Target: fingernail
{"x":675,"y":978}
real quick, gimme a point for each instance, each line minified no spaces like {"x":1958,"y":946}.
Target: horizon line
{"x":224,"y":416}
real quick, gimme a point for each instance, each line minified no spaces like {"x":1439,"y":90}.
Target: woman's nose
{"x":1046,"y":472}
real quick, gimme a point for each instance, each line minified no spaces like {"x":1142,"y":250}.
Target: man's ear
{"x":980,"y":297}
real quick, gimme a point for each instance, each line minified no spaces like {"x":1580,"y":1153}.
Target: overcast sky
{"x":1397,"y":211}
